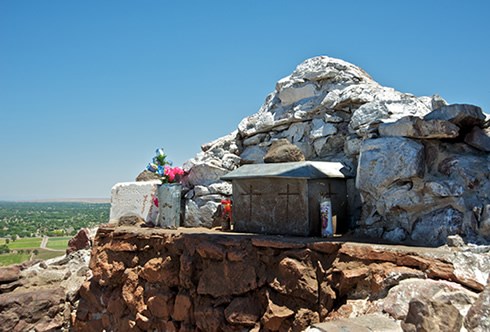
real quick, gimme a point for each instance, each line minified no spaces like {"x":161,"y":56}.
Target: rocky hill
{"x":421,"y":167}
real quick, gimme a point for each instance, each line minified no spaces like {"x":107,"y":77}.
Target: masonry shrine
{"x":284,"y":198}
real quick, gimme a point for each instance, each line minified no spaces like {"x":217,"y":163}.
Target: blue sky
{"x":89,"y":89}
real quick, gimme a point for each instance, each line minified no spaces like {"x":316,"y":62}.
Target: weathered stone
{"x":431,"y":315}
{"x":415,"y":127}
{"x":397,"y":301}
{"x":146,"y":175}
{"x":80,"y":241}
{"x":304,"y":318}
{"x":165,"y":270}
{"x":291,"y":94}
{"x":253,"y":154}
{"x":324,"y":247}
{"x":479,"y":138}
{"x":282,"y":151}
{"x":386,"y":110}
{"x":275,"y":315}
{"x":295,"y":132}
{"x":321,"y":129}
{"x":476,"y":276}
{"x":243,"y":311}
{"x":433,"y":228}
{"x":437,"y":102}
{"x":231,"y":161}
{"x":484,"y":223}
{"x":130,"y":221}
{"x":132,"y":199}
{"x":209,"y":318}
{"x":182,"y":307}
{"x":367,"y":323}
{"x":9,"y":274}
{"x":478,"y":317}
{"x":225,"y":278}
{"x":210,"y":250}
{"x":196,"y":216}
{"x":296,"y":279}
{"x":161,"y":305}
{"x":132,"y":292}
{"x":222,"y":188}
{"x":463,"y":115}
{"x":386,"y":160}
{"x":26,"y":309}
{"x":205,"y":173}
{"x":444,"y":188}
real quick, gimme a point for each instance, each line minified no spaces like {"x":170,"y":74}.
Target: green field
{"x":25,"y":243}
{"x":7,"y":259}
{"x":45,"y":254}
{"x":17,"y":258}
{"x":58,"y":243}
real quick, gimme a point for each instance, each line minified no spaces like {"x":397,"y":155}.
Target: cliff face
{"x":200,"y":280}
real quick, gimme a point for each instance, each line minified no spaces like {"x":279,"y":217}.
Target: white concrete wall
{"x":132,"y":198}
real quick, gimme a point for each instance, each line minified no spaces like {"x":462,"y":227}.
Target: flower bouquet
{"x":164,"y":169}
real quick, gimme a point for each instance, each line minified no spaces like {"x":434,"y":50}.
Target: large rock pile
{"x":420,"y":164}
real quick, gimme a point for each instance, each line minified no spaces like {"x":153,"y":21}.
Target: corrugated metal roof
{"x":301,"y":169}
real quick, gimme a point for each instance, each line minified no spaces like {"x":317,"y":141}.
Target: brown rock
{"x":275,"y":315}
{"x":432,"y":316}
{"x":143,"y":322}
{"x":479,"y":138}
{"x":324,"y":247}
{"x":165,"y":270}
{"x":210,"y":250}
{"x":276,"y":243}
{"x":116,"y":305}
{"x":182,"y":307}
{"x":282,"y":151}
{"x":305,"y":318}
{"x":296,"y":279}
{"x":27,"y":309}
{"x":130,"y":221}
{"x":243,"y":311}
{"x":161,"y":305}
{"x":80,"y":241}
{"x":227,"y":278}
{"x":91,"y":292}
{"x":146,"y":175}
{"x":9,"y":274}
{"x":132,"y":292}
{"x":186,"y":271}
{"x":209,"y":318}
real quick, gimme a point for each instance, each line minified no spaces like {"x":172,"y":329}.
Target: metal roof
{"x":301,"y":169}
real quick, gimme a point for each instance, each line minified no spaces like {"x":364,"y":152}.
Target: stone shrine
{"x":285,"y":198}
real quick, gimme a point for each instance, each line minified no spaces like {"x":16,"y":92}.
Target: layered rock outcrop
{"x":421,"y":166}
{"x":200,"y":280}
{"x":41,"y":295}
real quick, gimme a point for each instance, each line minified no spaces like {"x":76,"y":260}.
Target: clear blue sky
{"x":89,"y":89}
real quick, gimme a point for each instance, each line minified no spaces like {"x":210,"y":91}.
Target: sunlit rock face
{"x":415,"y":158}
{"x":198,"y":279}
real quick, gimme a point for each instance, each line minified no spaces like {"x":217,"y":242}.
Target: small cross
{"x":287,"y":194}
{"x":329,"y":193}
{"x":251,"y":194}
